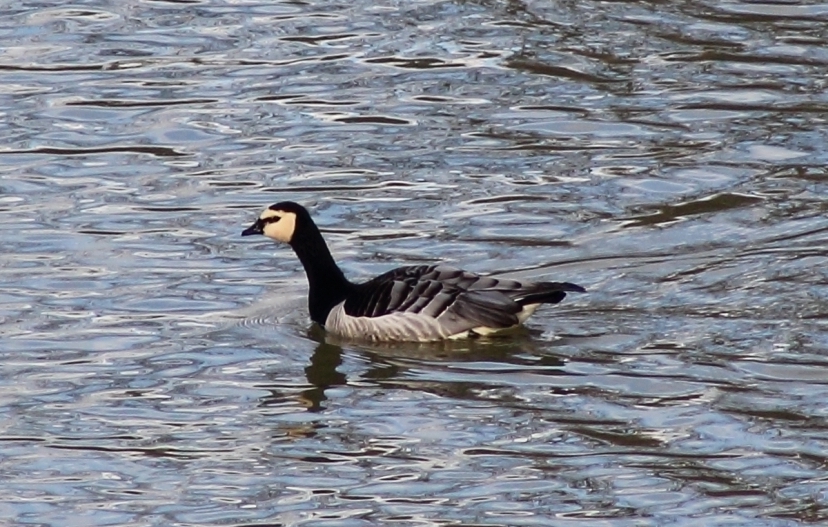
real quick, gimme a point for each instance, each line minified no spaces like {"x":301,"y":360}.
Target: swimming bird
{"x":415,"y":303}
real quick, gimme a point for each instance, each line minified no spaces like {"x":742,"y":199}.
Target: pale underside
{"x":412,"y":327}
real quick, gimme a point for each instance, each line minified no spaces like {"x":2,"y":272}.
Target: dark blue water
{"x":158,"y":369}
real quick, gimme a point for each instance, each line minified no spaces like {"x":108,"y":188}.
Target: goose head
{"x":280,"y":221}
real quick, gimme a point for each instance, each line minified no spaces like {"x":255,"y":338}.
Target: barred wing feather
{"x":458,"y":300}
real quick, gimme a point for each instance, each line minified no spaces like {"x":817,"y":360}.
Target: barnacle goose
{"x":415,"y":303}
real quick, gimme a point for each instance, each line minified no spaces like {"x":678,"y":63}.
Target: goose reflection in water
{"x":390,"y":365}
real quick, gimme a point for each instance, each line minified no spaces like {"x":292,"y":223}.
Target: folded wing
{"x":458,"y":301}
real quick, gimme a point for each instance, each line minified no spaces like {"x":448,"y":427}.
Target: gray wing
{"x":458,"y":300}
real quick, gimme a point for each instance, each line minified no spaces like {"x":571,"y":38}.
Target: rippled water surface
{"x":158,"y":369}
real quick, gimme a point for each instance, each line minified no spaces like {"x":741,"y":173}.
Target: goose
{"x":418,"y":303}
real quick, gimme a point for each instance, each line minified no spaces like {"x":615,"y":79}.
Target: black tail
{"x":548,"y":293}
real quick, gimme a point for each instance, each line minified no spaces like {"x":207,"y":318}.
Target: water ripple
{"x":161,"y":369}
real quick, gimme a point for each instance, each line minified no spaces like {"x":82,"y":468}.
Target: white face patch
{"x":282,"y":229}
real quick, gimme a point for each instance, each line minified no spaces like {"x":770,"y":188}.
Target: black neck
{"x":327,"y":284}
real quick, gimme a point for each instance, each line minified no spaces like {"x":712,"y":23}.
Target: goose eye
{"x":273,"y":219}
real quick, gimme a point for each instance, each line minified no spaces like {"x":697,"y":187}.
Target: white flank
{"x":394,"y":326}
{"x":412,"y":327}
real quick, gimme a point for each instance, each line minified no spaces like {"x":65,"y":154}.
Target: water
{"x":158,"y":369}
